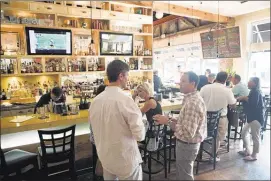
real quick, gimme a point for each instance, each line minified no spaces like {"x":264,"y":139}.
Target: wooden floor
{"x":232,"y":166}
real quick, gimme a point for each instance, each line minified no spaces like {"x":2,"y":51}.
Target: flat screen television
{"x":45,"y":41}
{"x":116,"y":44}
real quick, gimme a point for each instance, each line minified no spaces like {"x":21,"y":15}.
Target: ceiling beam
{"x":136,"y":3}
{"x":188,"y":23}
{"x":165,"y":19}
{"x":187,"y":12}
{"x":189,"y":31}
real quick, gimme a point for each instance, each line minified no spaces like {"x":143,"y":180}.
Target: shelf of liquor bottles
{"x":34,"y":65}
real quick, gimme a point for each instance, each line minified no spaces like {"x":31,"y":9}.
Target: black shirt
{"x":254,"y":106}
{"x":157,"y":110}
{"x":45,"y":99}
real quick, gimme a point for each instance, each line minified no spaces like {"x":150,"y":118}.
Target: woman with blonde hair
{"x":151,"y":107}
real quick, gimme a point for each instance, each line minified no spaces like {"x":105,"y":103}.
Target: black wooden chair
{"x":148,"y":156}
{"x":171,"y":143}
{"x":57,"y":146}
{"x":267,"y":109}
{"x":15,"y":160}
{"x":212,"y":126}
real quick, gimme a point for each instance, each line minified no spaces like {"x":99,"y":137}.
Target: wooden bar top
{"x":55,"y":120}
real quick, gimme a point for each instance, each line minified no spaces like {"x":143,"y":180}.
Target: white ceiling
{"x":226,"y":8}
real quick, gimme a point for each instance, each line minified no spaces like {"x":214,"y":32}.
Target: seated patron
{"x":217,"y":96}
{"x":239,"y":89}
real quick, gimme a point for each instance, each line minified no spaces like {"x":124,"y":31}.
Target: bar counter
{"x":19,"y":134}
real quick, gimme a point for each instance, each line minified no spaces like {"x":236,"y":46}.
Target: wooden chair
{"x":57,"y":146}
{"x":13,"y":161}
{"x":212,"y":126}
{"x":148,"y":155}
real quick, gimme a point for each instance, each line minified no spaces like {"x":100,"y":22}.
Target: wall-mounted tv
{"x":45,"y":41}
{"x":116,"y":44}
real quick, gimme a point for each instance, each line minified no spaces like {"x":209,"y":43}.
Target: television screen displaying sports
{"x":45,"y":41}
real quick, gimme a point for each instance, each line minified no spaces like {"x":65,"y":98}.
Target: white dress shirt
{"x":116,"y":122}
{"x":217,"y":96}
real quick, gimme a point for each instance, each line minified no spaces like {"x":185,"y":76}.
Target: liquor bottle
{"x":69,"y":67}
{"x":95,"y":67}
{"x":90,"y":66}
{"x":76,"y":66}
{"x":4,"y":97}
{"x":63,"y":68}
{"x":1,"y":50}
{"x":11,"y":67}
{"x":57,"y":67}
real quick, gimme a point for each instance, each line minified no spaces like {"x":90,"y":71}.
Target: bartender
{"x":56,"y":95}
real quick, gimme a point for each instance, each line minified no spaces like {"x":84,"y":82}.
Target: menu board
{"x":223,"y":43}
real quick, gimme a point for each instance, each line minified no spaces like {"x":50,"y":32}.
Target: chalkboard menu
{"x":223,"y":43}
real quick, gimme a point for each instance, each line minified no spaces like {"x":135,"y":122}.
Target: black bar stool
{"x":15,"y":160}
{"x":57,"y":146}
{"x":212,"y":126}
{"x":148,"y":155}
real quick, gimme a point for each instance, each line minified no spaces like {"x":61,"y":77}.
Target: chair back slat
{"x":212,"y":122}
{"x":58,"y":145}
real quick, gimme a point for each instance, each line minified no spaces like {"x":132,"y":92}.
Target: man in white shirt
{"x":116,"y":122}
{"x":239,"y":89}
{"x":217,"y":96}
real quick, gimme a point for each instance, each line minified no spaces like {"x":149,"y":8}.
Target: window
{"x":261,"y":32}
{"x":259,"y":66}
{"x":212,"y":64}
{"x":194,"y":64}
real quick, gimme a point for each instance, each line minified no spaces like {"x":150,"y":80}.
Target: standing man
{"x":117,"y":125}
{"x":239,"y":89}
{"x":190,"y":128}
{"x":217,"y":96}
{"x":207,"y":72}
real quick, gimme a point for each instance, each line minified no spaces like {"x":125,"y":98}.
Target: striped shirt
{"x":191,"y":126}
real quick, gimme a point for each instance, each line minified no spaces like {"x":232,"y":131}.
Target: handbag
{"x":233,"y":117}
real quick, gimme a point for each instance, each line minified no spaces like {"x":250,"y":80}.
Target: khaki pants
{"x":221,"y":131}
{"x":185,"y":157}
{"x":136,"y":175}
{"x":255,"y":128}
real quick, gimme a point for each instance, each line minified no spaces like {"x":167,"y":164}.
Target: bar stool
{"x":212,"y":126}
{"x":148,"y":155}
{"x":57,"y":146}
{"x":15,"y":160}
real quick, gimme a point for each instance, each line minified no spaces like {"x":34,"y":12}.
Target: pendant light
{"x":169,"y":14}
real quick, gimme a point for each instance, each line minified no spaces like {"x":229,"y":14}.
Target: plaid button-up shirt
{"x":191,"y":126}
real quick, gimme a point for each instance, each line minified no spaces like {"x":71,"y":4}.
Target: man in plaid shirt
{"x":190,"y":127}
